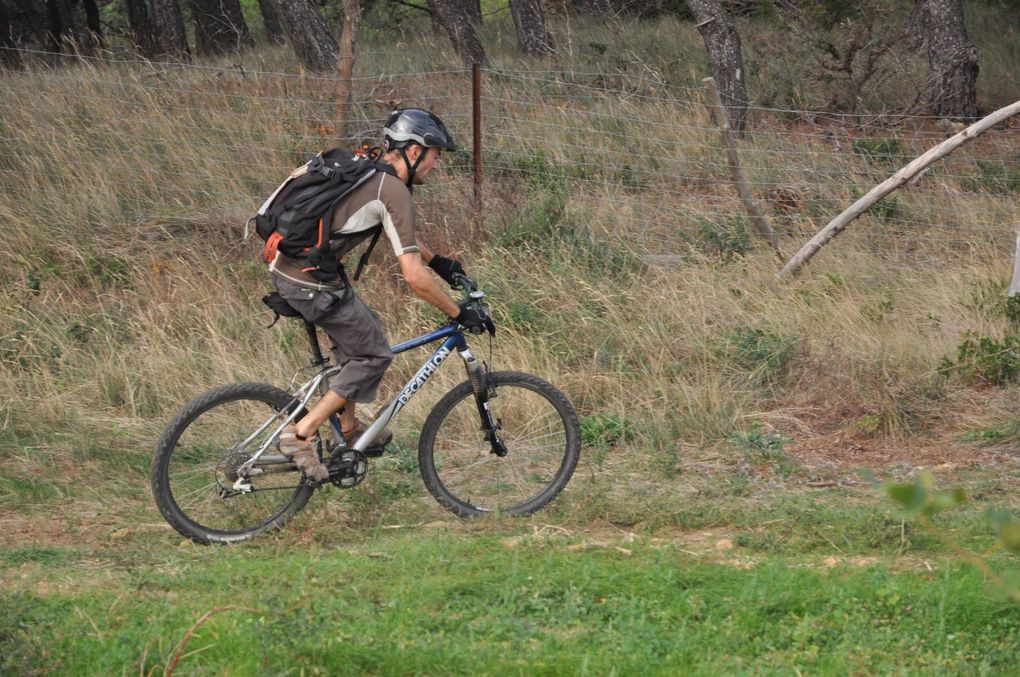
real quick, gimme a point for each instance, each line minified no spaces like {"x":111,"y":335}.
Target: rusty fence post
{"x":476,"y":128}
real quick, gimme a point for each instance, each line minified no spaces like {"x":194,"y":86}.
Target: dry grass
{"x":127,"y":290}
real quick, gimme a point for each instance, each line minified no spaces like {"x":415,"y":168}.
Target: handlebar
{"x":468,"y":285}
{"x":474,"y":298}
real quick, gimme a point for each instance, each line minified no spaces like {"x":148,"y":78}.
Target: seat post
{"x":313,"y":339}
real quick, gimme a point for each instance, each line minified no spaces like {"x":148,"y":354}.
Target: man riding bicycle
{"x":414,"y":141}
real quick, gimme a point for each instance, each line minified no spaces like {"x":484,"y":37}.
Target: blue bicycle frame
{"x":454,"y":341}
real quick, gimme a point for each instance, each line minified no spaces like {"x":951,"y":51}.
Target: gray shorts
{"x":358,"y":344}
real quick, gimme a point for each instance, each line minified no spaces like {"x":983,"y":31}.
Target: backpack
{"x":297,"y":218}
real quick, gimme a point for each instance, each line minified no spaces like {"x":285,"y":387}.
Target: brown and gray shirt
{"x":382,"y":199}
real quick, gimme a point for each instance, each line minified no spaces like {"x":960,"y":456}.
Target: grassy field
{"x":719,"y":520}
{"x":829,"y":587}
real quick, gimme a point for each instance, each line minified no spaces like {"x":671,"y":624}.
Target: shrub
{"x":537,"y":223}
{"x":880,"y":151}
{"x":985,"y":359}
{"x":767,"y":445}
{"x":606,"y":429}
{"x":760,"y":351}
{"x":993,"y":177}
{"x":725,"y":237}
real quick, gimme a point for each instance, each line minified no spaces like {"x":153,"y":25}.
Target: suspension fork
{"x":480,"y":387}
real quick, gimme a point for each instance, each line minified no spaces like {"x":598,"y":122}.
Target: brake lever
{"x":465,"y":283}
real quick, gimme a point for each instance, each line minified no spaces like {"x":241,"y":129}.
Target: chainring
{"x":348,"y":470}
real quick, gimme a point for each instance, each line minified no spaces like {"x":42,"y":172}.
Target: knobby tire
{"x":182,"y":443}
{"x":541,"y":432}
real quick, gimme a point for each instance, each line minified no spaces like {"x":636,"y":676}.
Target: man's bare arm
{"x":421,"y":282}
{"x":426,"y":252}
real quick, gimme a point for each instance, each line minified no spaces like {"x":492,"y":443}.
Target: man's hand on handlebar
{"x":475,"y":317}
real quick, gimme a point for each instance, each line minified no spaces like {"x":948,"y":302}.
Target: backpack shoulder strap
{"x":363,"y":261}
{"x":385,"y":168}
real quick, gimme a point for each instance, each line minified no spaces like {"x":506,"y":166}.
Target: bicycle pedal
{"x":375,"y":452}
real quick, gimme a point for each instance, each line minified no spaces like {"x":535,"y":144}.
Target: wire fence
{"x":627,"y":159}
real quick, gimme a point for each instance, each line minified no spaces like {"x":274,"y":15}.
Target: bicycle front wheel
{"x":197,"y":460}
{"x":539,"y":428}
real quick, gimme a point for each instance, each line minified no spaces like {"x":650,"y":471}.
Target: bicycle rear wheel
{"x":539,"y":428}
{"x":196,"y":461}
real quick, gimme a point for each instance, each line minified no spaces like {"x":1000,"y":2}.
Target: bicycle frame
{"x":454,"y":340}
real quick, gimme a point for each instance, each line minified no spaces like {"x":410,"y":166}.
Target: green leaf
{"x":911,"y":497}
{"x":1010,"y":535}
{"x":943,"y":500}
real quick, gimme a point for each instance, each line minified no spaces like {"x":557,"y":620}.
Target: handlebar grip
{"x":465,"y":282}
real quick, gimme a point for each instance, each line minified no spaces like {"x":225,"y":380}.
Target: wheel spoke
{"x":188,"y":470}
{"x":541,"y":438}
{"x":201,"y":491}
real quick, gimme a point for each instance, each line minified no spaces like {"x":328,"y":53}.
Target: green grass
{"x":430,"y":601}
{"x":737,"y":578}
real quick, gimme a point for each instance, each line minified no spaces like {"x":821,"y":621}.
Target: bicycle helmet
{"x":414,"y":125}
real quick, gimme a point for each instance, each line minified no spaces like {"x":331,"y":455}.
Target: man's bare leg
{"x":330,"y":403}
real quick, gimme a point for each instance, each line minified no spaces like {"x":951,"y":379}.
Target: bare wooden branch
{"x":761,"y":224}
{"x":839,"y":224}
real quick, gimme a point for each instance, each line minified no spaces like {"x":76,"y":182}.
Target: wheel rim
{"x":203,"y":455}
{"x":536,"y":438}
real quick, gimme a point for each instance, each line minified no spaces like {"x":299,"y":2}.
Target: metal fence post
{"x":476,"y":118}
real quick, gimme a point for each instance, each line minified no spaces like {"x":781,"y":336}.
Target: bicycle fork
{"x":482,"y":392}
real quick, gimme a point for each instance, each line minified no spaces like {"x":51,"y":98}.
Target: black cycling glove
{"x":476,"y":320}
{"x":447,"y":268}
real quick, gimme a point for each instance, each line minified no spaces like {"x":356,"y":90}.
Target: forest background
{"x":719,"y":519}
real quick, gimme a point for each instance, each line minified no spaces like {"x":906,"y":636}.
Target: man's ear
{"x":413,"y":151}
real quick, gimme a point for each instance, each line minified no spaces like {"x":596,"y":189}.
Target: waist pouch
{"x":279,"y":306}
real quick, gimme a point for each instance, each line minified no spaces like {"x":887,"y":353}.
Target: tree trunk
{"x":455,"y":18}
{"x":58,"y":20}
{"x":761,"y":223}
{"x":73,"y":26}
{"x":92,"y":22}
{"x":529,"y":20}
{"x":272,"y":23}
{"x":914,"y":168}
{"x":219,"y":26}
{"x":352,"y":16}
{"x":473,"y":9}
{"x":171,"y":41}
{"x":140,"y":22}
{"x":9,"y":58}
{"x":309,"y":36}
{"x":939,"y":27}
{"x":723,"y":46}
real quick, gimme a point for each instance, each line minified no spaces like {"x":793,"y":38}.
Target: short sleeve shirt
{"x":382,"y":199}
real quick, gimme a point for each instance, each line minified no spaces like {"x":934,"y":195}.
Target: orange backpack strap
{"x":272,"y":244}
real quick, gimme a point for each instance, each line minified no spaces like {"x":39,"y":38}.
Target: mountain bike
{"x":502,"y":442}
